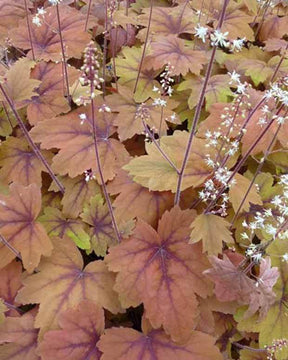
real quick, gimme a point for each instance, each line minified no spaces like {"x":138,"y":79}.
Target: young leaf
{"x":212,"y":230}
{"x":18,"y":213}
{"x":123,"y":344}
{"x":163,"y":271}
{"x":77,"y":340}
{"x":19,"y":162}
{"x":102,"y":232}
{"x":237,"y":192}
{"x":77,"y":194}
{"x":57,"y":224}
{"x":154,"y":171}
{"x":127,"y":69}
{"x":62,"y":283}
{"x":46,"y":39}
{"x":19,"y":338}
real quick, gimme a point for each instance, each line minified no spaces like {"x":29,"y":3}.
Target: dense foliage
{"x":143,"y":179}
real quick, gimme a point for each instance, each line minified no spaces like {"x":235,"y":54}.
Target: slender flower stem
{"x":13,"y":307}
{"x":165,"y":156}
{"x":144,"y":48}
{"x":30,"y":141}
{"x":29,"y":30}
{"x":198,"y":109}
{"x":63,"y":55}
{"x":105,"y":49}
{"x":106,"y":195}
{"x":241,"y":163}
{"x":259,"y":168}
{"x":10,"y":247}
{"x":248,"y":347}
{"x":278,"y":65}
{"x":88,"y":13}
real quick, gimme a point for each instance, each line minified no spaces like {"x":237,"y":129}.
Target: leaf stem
{"x":198,"y":109}
{"x":29,"y":29}
{"x":10,"y":247}
{"x":88,"y":13}
{"x":145,"y":46}
{"x":65,"y":70}
{"x":30,"y":141}
{"x":165,"y":156}
{"x":106,"y":195}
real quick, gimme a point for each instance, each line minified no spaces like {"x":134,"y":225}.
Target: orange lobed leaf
{"x":163,"y":271}
{"x":19,"y":162}
{"x":18,"y":225}
{"x":75,"y":141}
{"x":18,"y":84}
{"x":178,"y":53}
{"x":212,"y":230}
{"x":46,"y":40}
{"x":154,"y":171}
{"x":49,"y":99}
{"x":168,"y":20}
{"x":62,"y":283}
{"x":135,"y":200}
{"x":19,"y":338}
{"x":77,"y":340}
{"x":11,"y":13}
{"x":124,"y":344}
{"x":10,"y":283}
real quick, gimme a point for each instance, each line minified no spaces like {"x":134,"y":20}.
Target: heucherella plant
{"x":143,"y":180}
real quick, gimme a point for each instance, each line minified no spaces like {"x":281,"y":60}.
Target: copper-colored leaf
{"x":81,"y":330}
{"x":135,"y":200}
{"x":154,"y":171}
{"x":49,"y":100}
{"x":11,"y":13}
{"x":62,"y":283}
{"x":77,"y":194}
{"x":19,"y":337}
{"x":212,"y":230}
{"x":163,"y":271}
{"x":18,"y":84}
{"x":46,"y":39}
{"x":75,"y":141}
{"x":124,"y":344}
{"x":130,"y":114}
{"x":168,"y":20}
{"x":102,"y":232}
{"x":10,"y":282}
{"x":175,"y":51}
{"x":20,"y":164}
{"x":18,"y":213}
{"x":273,"y":26}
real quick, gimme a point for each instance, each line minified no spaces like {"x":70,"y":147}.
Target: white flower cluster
{"x":278,"y":92}
{"x":271,"y":221}
{"x":39,"y":17}
{"x":54,"y":2}
{"x":166,"y":86}
{"x":218,"y":38}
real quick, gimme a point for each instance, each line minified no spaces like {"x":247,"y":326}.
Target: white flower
{"x":219,"y":38}
{"x":54,"y":2}
{"x":241,"y":89}
{"x":36,"y":20}
{"x":201,"y":32}
{"x":41,"y":11}
{"x":285,"y":257}
{"x":237,"y":44}
{"x":234,"y":77}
